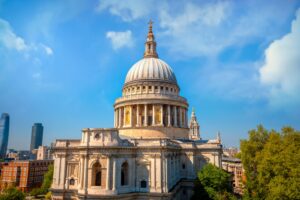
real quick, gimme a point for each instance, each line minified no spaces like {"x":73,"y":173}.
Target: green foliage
{"x":271,"y":162}
{"x":48,"y":195}
{"x":36,"y":191}
{"x":12,"y":193}
{"x":46,"y":183}
{"x":48,"y":177}
{"x":215,"y":183}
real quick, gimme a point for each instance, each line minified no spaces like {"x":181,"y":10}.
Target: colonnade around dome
{"x":145,"y":115}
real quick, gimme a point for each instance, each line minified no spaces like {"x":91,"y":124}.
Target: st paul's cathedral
{"x":152,"y":152}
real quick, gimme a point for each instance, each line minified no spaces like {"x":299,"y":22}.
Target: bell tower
{"x":194,"y":133}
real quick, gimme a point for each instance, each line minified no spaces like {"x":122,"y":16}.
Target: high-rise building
{"x":4,"y":132}
{"x":36,"y":136}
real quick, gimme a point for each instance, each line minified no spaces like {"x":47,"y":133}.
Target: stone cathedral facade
{"x":151,"y":153}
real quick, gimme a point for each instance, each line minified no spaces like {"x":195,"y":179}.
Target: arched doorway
{"x":97,"y":174}
{"x":124,"y":174}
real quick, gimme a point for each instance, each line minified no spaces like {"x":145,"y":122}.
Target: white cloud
{"x":120,"y":39}
{"x":197,"y":28}
{"x":127,"y":10}
{"x":281,"y":71}
{"x":47,"y":49}
{"x":10,"y":40}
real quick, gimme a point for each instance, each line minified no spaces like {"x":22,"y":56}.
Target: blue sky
{"x":63,"y":63}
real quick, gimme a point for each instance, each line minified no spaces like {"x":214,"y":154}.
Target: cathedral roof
{"x":150,"y":68}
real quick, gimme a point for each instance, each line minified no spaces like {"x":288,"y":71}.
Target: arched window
{"x":124,"y":174}
{"x":98,"y":179}
{"x":97,"y":175}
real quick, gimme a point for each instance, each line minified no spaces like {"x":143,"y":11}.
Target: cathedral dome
{"x":151,"y":69}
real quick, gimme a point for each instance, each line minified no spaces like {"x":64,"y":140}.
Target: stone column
{"x":175,"y":116}
{"x":146,"y":115}
{"x":63,"y":171}
{"x":114,"y":175}
{"x":59,"y":169}
{"x":180,"y":117}
{"x":85,"y":176}
{"x":108,"y":173}
{"x":81,"y":171}
{"x":116,"y":118}
{"x":167,"y":171}
{"x":120,"y":117}
{"x":124,"y":113}
{"x":186,"y":118}
{"x":152,"y":175}
{"x":153,"y":115}
{"x":137,"y":115}
{"x":161,"y":115}
{"x":169,"y":115}
{"x":155,"y":172}
{"x":131,"y":116}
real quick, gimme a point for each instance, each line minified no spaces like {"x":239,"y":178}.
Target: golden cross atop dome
{"x":150,"y":25}
{"x":150,"y":45}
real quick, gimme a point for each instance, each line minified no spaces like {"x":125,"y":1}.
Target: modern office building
{"x":36,"y":136}
{"x":4,"y":132}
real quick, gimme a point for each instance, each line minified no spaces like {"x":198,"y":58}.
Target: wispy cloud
{"x":10,"y":40}
{"x":120,"y":39}
{"x":47,"y":49}
{"x":192,"y":29}
{"x":281,"y":70}
{"x":127,"y":10}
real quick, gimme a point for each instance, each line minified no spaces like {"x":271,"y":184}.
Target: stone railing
{"x":151,"y":96}
{"x":66,"y":143}
{"x":160,"y":142}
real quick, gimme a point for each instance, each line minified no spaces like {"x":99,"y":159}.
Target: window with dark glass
{"x":124,"y":174}
{"x":72,"y":181}
{"x":143,"y":184}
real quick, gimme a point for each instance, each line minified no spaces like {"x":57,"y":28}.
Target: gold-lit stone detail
{"x":127,"y":115}
{"x":158,"y":119}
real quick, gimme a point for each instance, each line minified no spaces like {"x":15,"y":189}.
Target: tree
{"x":271,"y":162}
{"x":48,"y":177}
{"x":215,"y":182}
{"x":12,"y":193}
{"x":250,"y":150}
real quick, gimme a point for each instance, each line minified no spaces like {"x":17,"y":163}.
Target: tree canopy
{"x":12,"y":193}
{"x":271,"y":163}
{"x":214,"y":183}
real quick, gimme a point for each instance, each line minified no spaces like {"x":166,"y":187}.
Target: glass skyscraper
{"x":4,"y":132}
{"x":36,"y":136}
